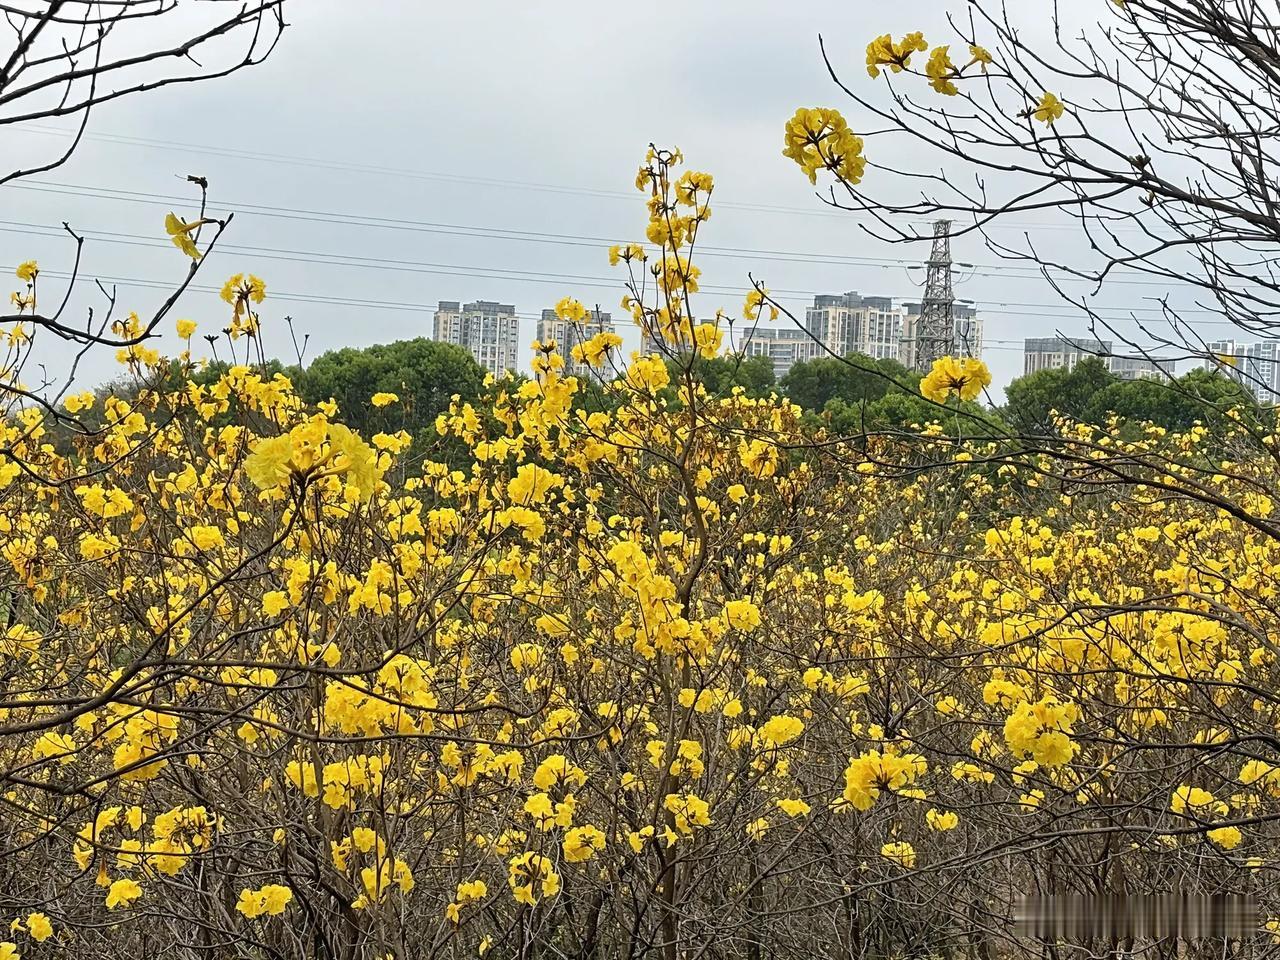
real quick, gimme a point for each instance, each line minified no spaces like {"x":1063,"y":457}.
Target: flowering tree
{"x":667,"y":675}
{"x":1153,"y":133}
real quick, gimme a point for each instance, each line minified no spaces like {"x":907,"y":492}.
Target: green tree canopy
{"x":721,"y":374}
{"x":1092,"y":394}
{"x":901,"y":410}
{"x":424,"y":374}
{"x":1030,"y":401}
{"x":1201,"y":395}
{"x":856,"y":380}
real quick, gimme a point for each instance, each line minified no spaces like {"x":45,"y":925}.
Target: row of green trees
{"x":849,"y":395}
{"x":858,"y":393}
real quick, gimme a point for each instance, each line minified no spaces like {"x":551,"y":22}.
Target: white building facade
{"x":849,"y":323}
{"x":489,"y":330}
{"x":1255,"y":366}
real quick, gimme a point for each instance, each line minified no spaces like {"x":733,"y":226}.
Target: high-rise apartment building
{"x":967,"y":335}
{"x":1048,"y":353}
{"x":489,"y":330}
{"x":1256,"y":366}
{"x":848,"y":323}
{"x":568,"y":335}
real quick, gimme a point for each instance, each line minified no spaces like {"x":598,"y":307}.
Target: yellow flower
{"x":689,"y":810}
{"x":122,"y":893}
{"x":532,"y":878}
{"x":39,"y":927}
{"x":270,"y":899}
{"x":627,"y":252}
{"x":237,"y":291}
{"x":582,"y":843}
{"x":230,"y":288}
{"x":647,"y":373}
{"x":571,"y":310}
{"x":793,"y":807}
{"x":206,"y":537}
{"x":1042,"y":731}
{"x":531,"y":484}
{"x":940,"y":71}
{"x":79,"y":401}
{"x":707,"y":338}
{"x":1199,"y":801}
{"x":883,"y":52}
{"x":383,"y":399}
{"x":966,"y":377}
{"x":781,"y":729}
{"x":980,"y":56}
{"x":54,"y":745}
{"x":1049,"y":109}
{"x":268,"y":465}
{"x":9,"y":950}
{"x":818,"y":139}
{"x":869,"y":774}
{"x":315,"y":448}
{"x":180,"y":233}
{"x":186,"y":328}
{"x":753,"y":305}
{"x":1228,"y":838}
{"x":594,"y":351}
{"x":274,"y":602}
{"x":742,"y":615}
{"x":275,"y":897}
{"x":760,"y":457}
{"x":27,"y":271}
{"x":939,"y":820}
{"x":899,"y":852}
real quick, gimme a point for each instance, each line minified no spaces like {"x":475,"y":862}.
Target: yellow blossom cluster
{"x":818,"y":138}
{"x":966,"y":377}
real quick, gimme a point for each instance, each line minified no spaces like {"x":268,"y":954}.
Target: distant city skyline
{"x":836,"y":324}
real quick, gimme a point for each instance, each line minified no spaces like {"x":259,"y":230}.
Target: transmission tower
{"x":936,"y":329}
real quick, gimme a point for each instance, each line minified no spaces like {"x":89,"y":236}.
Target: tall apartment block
{"x":838,"y":324}
{"x":568,"y":335}
{"x":489,"y":330}
{"x":848,"y":323}
{"x":1256,"y":366}
{"x":1047,"y":353}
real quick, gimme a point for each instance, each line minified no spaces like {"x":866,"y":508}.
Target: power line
{"x":293,"y":160}
{"x":407,"y":173}
{"x":1005,"y":271}
{"x":534,"y":276}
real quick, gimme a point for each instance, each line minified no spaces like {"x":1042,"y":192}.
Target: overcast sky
{"x":505,"y":117}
